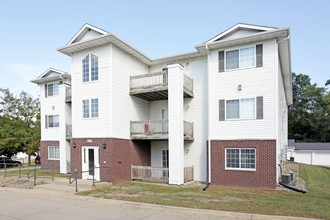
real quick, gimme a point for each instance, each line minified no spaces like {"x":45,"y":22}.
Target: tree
{"x":19,"y":123}
{"x":309,"y":115}
{"x":327,"y":82}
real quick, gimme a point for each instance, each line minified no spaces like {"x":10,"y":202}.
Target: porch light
{"x":104,"y":146}
{"x":74,"y":145}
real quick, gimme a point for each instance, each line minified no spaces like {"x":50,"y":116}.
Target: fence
{"x":149,"y":174}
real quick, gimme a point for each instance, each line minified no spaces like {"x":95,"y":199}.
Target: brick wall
{"x":44,"y":154}
{"x":119,"y":155}
{"x":263,"y":177}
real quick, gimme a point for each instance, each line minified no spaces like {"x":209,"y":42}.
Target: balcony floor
{"x":157,"y":93}
{"x":157,"y":137}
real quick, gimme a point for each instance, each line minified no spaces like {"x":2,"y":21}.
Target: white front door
{"x":90,"y":159}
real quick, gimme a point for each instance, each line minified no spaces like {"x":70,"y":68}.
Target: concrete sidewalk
{"x":58,"y":201}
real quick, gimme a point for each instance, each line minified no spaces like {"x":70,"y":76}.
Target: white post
{"x":62,"y":116}
{"x":175,"y":111}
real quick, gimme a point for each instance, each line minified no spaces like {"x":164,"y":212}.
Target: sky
{"x":31,"y":31}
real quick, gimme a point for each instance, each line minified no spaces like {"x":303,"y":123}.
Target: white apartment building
{"x":216,"y":115}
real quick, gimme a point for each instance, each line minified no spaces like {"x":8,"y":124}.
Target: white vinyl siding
{"x":241,"y":58}
{"x":241,"y":158}
{"x":254,"y":82}
{"x":241,"y":109}
{"x":53,"y":152}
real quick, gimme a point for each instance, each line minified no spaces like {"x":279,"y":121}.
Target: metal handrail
{"x":17,"y":165}
{"x":92,"y":168}
{"x":41,"y":168}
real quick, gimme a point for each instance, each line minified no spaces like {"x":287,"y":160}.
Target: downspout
{"x":287,"y":38}
{"x":208,"y":119}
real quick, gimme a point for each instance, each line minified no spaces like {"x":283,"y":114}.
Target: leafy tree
{"x":19,"y":123}
{"x":309,"y":115}
{"x":327,"y":82}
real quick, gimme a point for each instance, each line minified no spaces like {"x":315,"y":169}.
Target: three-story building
{"x":217,"y":115}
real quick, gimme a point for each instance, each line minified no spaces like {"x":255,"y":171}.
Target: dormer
{"x":51,"y":79}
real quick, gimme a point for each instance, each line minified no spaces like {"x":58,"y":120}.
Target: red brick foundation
{"x":119,"y":155}
{"x":263,"y":177}
{"x":44,"y":154}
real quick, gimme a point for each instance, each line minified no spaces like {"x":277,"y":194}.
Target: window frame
{"x":59,"y":153}
{"x":90,"y":54}
{"x":240,"y":109}
{"x":90,"y":109}
{"x":240,"y":167}
{"x":54,"y":95}
{"x":48,"y":120}
{"x":239,"y":57}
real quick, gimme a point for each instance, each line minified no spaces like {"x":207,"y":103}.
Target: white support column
{"x":63,"y":121}
{"x":175,"y":111}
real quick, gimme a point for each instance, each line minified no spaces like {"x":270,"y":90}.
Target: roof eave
{"x":51,"y":79}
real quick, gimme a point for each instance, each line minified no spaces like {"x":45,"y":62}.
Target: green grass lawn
{"x":44,"y":173}
{"x":315,"y":203}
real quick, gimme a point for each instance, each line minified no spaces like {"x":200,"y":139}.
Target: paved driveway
{"x":25,"y":204}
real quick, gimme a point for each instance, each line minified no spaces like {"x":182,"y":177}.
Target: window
{"x":51,"y":89}
{"x":241,"y":158}
{"x":90,"y":68}
{"x":241,"y":109}
{"x":165,"y":158}
{"x":95,"y":108}
{"x":53,"y":121}
{"x":90,"y":108}
{"x":241,"y":58}
{"x":53,"y":152}
{"x":85,"y":104}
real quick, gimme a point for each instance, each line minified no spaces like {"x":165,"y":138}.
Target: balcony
{"x":158,"y":174}
{"x":158,"y":130}
{"x":68,"y":131}
{"x":154,"y":86}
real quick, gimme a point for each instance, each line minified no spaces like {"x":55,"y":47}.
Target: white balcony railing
{"x":157,"y":129}
{"x":149,"y":174}
{"x":68,"y":131}
{"x":147,"y":81}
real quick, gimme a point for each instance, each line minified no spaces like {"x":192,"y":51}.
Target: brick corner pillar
{"x":175,"y":111}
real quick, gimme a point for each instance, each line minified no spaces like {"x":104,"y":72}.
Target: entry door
{"x":165,"y":162}
{"x":165,"y":117}
{"x":90,"y":159}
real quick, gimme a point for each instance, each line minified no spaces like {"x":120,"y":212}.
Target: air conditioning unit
{"x":286,"y":178}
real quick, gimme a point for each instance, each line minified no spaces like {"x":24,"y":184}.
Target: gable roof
{"x":51,"y":75}
{"x":84,"y":30}
{"x":237,"y":27}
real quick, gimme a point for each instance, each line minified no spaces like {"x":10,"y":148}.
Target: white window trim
{"x":53,"y":126}
{"x":51,"y":96}
{"x":54,"y":153}
{"x":241,"y":169}
{"x":90,"y":69}
{"x":90,"y":109}
{"x":240,"y":118}
{"x":240,"y":68}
